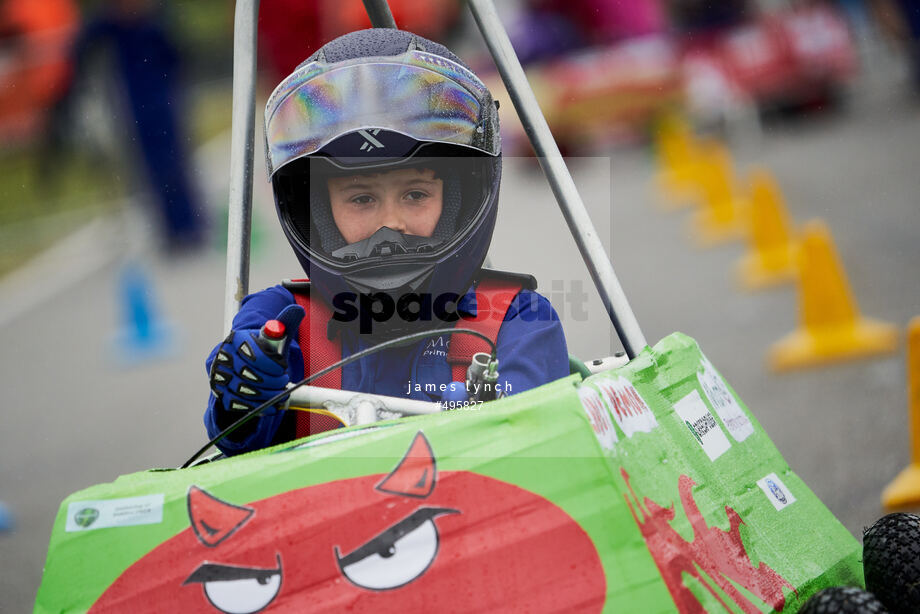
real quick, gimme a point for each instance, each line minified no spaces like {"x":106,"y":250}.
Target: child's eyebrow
{"x":356,"y":186}
{"x":359,"y":185}
{"x":418,"y":180}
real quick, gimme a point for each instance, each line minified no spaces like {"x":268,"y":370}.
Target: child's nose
{"x":393,"y":217}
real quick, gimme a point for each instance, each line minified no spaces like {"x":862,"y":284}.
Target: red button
{"x":274,"y":329}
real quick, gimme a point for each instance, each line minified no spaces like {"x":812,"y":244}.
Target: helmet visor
{"x":423,"y":96}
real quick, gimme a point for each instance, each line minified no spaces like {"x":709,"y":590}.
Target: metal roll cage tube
{"x":379,"y":12}
{"x":361,"y":408}
{"x":242,"y":152}
{"x":525,"y":103}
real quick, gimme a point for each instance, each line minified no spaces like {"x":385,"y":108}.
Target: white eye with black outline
{"x":238,"y":590}
{"x":396,"y":556}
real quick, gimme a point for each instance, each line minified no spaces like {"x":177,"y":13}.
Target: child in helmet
{"x":384,"y":155}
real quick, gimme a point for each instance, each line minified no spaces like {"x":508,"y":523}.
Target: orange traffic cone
{"x":770,"y":259}
{"x":722,"y":215}
{"x":678,"y":163}
{"x":831,"y":328}
{"x":904,"y":490}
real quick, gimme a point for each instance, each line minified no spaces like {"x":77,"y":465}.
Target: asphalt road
{"x":75,"y":415}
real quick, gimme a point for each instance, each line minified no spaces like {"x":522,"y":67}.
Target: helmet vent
{"x":376,"y":42}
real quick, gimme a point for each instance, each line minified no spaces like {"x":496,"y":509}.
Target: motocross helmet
{"x":369,"y":102}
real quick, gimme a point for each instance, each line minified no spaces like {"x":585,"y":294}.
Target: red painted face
{"x":415,"y":540}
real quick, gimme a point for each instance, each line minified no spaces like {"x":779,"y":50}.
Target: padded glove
{"x":250,"y":368}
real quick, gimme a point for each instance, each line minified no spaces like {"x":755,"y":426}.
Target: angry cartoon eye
{"x":238,"y":590}
{"x":396,"y":556}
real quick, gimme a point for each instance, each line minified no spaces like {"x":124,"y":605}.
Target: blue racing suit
{"x":531,"y":351}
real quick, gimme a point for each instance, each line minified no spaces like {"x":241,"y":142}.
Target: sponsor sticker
{"x":599,"y":417}
{"x":723,"y":401}
{"x":776,"y":491}
{"x":702,"y":425}
{"x":630,"y":411}
{"x":108,"y":513}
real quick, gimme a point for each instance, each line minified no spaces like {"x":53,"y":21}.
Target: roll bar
{"x":525,"y":103}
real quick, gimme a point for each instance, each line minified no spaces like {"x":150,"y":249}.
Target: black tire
{"x":843,"y":600}
{"x":891,"y":562}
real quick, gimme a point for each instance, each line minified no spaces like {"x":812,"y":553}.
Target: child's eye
{"x":416,"y":195}
{"x":362,"y":199}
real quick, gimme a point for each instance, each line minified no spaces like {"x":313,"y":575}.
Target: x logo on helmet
{"x":369,"y":141}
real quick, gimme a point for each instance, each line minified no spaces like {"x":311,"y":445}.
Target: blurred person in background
{"x":147,"y":64}
{"x":547,"y":28}
{"x":606,"y":21}
{"x":708,"y":16}
{"x":900,"y":19}
{"x":35,"y":38}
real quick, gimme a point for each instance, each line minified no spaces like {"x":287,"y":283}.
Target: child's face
{"x":407,"y":200}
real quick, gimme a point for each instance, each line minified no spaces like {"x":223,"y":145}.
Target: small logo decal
{"x":370,"y":142}
{"x":693,"y":430}
{"x":776,"y":491}
{"x":86,"y":517}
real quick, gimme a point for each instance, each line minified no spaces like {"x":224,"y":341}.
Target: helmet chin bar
{"x":386,"y":242}
{"x":393,"y":278}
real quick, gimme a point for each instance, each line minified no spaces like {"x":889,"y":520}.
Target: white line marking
{"x":62,"y":266}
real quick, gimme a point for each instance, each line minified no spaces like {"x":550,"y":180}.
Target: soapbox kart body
{"x":647,"y":486}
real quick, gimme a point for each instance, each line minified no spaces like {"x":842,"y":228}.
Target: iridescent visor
{"x":419,"y":95}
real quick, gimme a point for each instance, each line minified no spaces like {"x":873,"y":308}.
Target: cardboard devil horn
{"x":214,"y":520}
{"x":416,"y":473}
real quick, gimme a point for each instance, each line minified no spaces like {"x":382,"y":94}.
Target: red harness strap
{"x":493,"y":297}
{"x":318,"y":353}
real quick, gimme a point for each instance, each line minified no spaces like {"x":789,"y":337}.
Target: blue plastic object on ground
{"x":7,"y":523}
{"x":143,"y":334}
